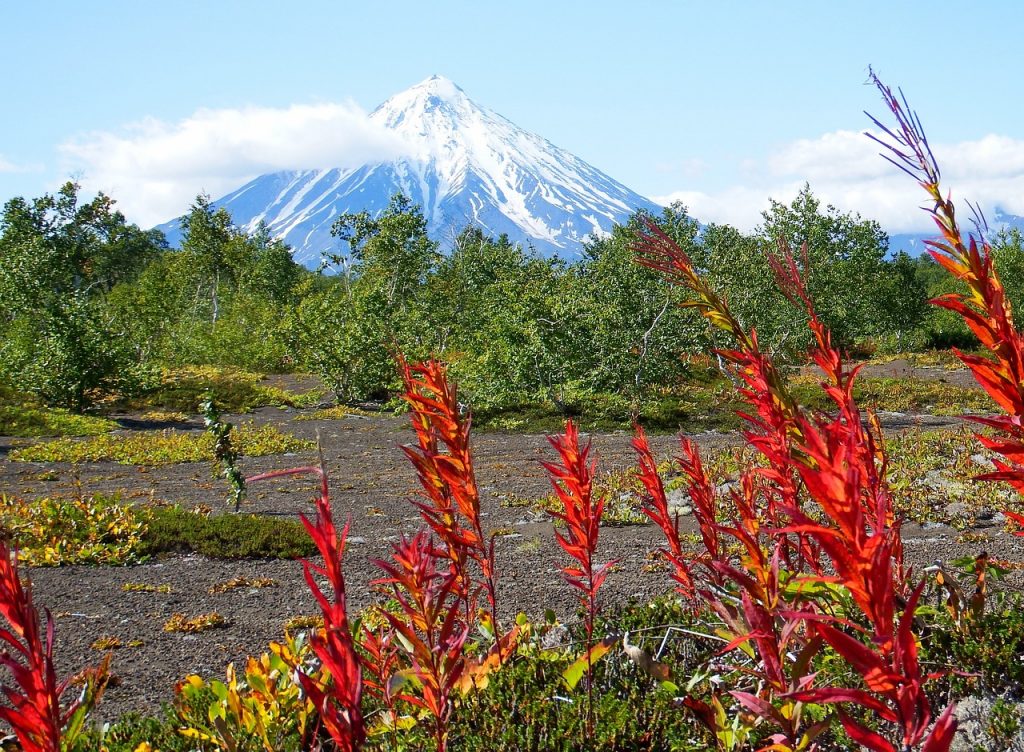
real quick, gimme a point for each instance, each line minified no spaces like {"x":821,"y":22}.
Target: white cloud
{"x":844,"y":169}
{"x":154,"y":168}
{"x":7,"y":166}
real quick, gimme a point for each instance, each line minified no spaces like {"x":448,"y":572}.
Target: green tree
{"x":635,"y":329}
{"x":206,"y":245}
{"x":58,"y":260}
{"x":346,"y":331}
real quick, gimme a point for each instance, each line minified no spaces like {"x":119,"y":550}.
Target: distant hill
{"x":914,"y":243}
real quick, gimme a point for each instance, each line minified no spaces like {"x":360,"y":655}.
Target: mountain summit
{"x":462,"y":163}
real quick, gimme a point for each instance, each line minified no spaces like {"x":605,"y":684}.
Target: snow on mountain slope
{"x":464,"y":165}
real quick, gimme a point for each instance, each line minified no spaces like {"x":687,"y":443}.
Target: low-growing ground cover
{"x":103,"y":530}
{"x":234,"y":390}
{"x":153,"y":448}
{"x":23,"y":416}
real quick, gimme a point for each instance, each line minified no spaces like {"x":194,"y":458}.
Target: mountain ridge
{"x":464,"y":165}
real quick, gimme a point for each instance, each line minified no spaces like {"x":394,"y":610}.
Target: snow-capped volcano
{"x":462,"y":163}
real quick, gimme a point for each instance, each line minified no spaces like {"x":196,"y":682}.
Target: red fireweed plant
{"x":429,"y":625}
{"x":381,"y":664}
{"x":444,"y":466}
{"x":755,"y":618}
{"x":339,"y":702}
{"x":843,"y":468}
{"x":33,"y":709}
{"x":773,"y":421}
{"x":573,"y":481}
{"x":837,"y":463}
{"x":657,"y":509}
{"x":984,"y":308}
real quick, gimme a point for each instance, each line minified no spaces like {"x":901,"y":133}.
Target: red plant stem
{"x":34,"y":712}
{"x":656,"y":508}
{"x":381,"y":665}
{"x":572,"y":480}
{"x":448,"y":480}
{"x":339,"y":703}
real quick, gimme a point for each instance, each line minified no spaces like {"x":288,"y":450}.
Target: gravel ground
{"x":372,"y":484}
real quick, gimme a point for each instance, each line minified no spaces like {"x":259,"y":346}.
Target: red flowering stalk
{"x":32,"y":707}
{"x":843,"y":465}
{"x":656,"y":507}
{"x":704,"y":500}
{"x":444,"y":465}
{"x":339,"y":702}
{"x":773,"y":423}
{"x":985,"y":308}
{"x":380,"y":665}
{"x":842,"y":468}
{"x":572,"y":480}
{"x":430,"y":625}
{"x":34,"y":712}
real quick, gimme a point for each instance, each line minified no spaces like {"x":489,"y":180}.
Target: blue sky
{"x":719,"y":104}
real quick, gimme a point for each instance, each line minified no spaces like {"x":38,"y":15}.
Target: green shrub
{"x":131,"y":732}
{"x":173,"y":529}
{"x":985,"y":659}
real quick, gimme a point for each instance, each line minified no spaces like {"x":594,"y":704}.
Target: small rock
{"x":556,"y":637}
{"x":357,"y":540}
{"x":982,"y":461}
{"x":972,"y":714}
{"x":955,"y":509}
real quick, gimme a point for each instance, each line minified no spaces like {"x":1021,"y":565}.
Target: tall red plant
{"x":444,"y":465}
{"x":33,"y":708}
{"x":339,"y":702}
{"x":34,"y":711}
{"x":657,"y":509}
{"x":573,"y":481}
{"x":985,"y":307}
{"x":838,"y":463}
{"x":429,"y":625}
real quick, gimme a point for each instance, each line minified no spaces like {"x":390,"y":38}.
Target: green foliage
{"x":159,"y":447}
{"x":340,"y":335}
{"x":90,"y":530}
{"x":977,"y":664}
{"x":22,"y":415}
{"x":222,"y":299}
{"x":172,"y":529}
{"x":58,"y":259}
{"x":233,"y":390}
{"x":265,"y":709}
{"x":135,"y":732}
